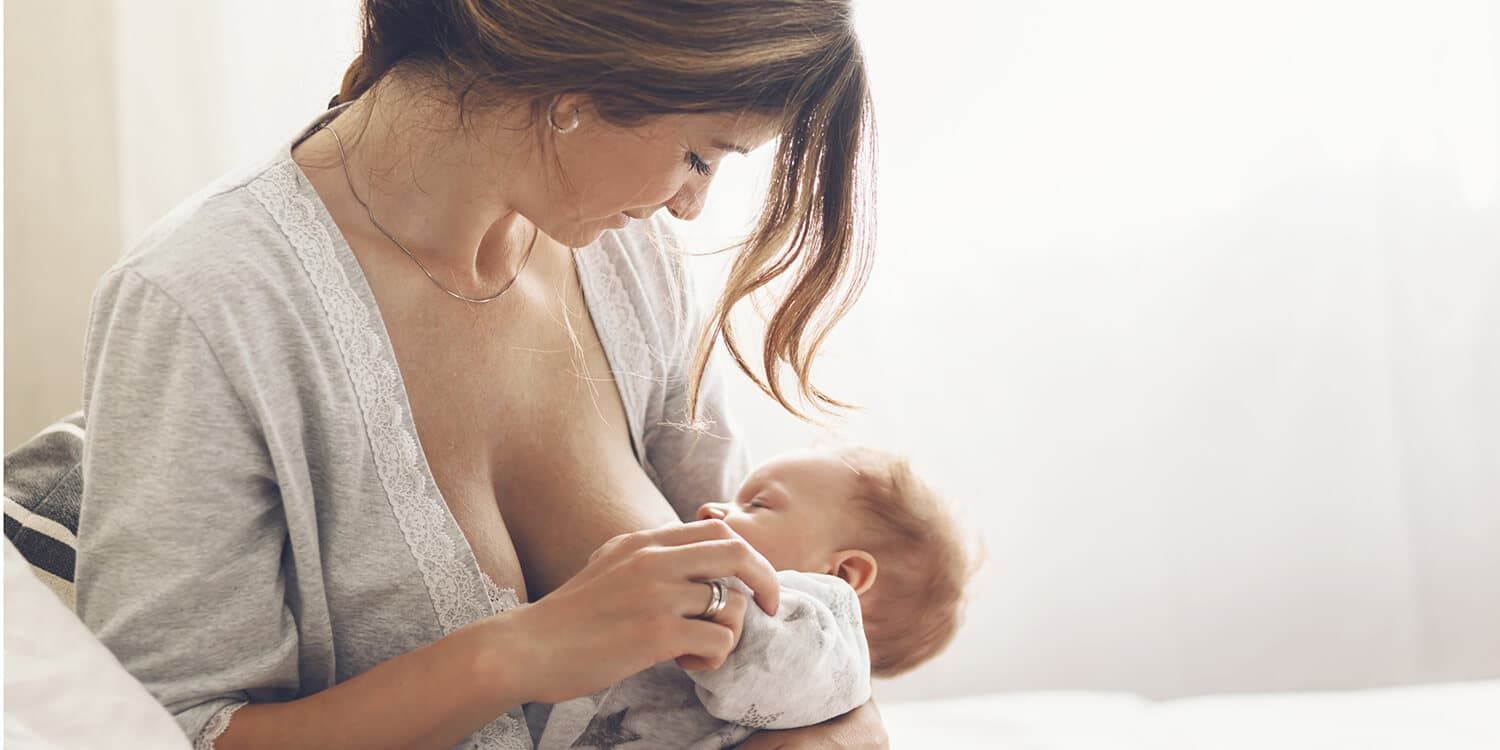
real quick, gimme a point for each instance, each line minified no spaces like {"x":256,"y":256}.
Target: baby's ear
{"x":857,"y":568}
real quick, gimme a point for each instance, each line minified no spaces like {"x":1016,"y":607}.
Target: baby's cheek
{"x":765,"y":543}
{"x":789,"y":552}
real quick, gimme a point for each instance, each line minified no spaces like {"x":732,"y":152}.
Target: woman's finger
{"x":693,"y":598}
{"x":721,"y":558}
{"x":677,"y":535}
{"x":731,"y":616}
{"x":701,"y":643}
{"x":672,"y":535}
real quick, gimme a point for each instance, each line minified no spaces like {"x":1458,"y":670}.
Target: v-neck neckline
{"x":450,"y":569}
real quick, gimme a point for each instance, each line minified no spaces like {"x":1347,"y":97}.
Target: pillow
{"x":43,"y":488}
{"x":63,"y":688}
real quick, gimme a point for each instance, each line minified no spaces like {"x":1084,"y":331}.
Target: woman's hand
{"x":634,"y":605}
{"x":860,"y":728}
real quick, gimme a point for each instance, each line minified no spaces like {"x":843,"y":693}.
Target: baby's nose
{"x":711,"y":510}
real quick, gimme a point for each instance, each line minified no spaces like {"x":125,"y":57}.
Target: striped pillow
{"x":43,"y":487}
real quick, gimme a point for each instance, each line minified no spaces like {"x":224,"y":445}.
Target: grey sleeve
{"x":181,"y":528}
{"x":808,"y":663}
{"x":704,"y":462}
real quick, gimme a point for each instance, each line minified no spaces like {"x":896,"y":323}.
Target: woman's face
{"x":605,"y":176}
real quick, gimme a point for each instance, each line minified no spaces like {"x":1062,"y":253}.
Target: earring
{"x":552,"y":120}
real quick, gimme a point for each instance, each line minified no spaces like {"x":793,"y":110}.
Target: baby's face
{"x":795,"y":509}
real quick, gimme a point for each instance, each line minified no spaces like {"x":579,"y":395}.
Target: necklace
{"x":472,"y":300}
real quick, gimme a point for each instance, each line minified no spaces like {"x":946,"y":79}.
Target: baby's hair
{"x":915,"y":606}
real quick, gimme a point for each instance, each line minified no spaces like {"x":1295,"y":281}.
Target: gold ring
{"x":716,"y":600}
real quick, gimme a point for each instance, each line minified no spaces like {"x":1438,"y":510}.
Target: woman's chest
{"x":525,"y":432}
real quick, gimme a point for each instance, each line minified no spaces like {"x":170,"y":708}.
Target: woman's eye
{"x":698,"y":164}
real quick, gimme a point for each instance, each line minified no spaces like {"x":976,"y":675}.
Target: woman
{"x":350,"y":407}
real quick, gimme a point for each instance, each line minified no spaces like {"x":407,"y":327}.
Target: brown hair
{"x":797,"y":60}
{"x":915,"y":606}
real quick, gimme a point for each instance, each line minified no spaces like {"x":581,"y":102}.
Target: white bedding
{"x":64,"y":690}
{"x":1463,"y":716}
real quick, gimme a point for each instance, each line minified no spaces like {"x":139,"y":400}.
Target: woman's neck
{"x":435,"y":185}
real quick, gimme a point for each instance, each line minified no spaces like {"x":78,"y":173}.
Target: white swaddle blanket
{"x":808,"y":663}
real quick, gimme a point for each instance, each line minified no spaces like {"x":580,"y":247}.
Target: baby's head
{"x":861,"y":515}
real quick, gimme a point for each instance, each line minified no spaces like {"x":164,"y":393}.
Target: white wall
{"x":117,"y":111}
{"x":209,"y":86}
{"x":62,"y":221}
{"x":1194,"y":308}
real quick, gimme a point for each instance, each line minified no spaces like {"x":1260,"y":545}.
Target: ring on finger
{"x":717,"y":599}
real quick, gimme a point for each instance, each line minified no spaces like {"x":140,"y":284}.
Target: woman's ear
{"x":857,"y":568}
{"x":566,"y":111}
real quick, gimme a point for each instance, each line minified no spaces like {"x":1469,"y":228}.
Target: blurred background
{"x":1192,"y":309}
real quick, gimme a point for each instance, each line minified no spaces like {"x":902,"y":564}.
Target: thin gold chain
{"x":472,"y":300}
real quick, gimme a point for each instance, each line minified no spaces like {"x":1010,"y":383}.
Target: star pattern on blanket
{"x":730,"y":735}
{"x":606,"y":732}
{"x":843,"y":608}
{"x":754,"y":718}
{"x":798,"y":612}
{"x":753,"y":657}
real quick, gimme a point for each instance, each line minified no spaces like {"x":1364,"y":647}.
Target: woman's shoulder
{"x":222,"y":245}
{"x":217,"y":235}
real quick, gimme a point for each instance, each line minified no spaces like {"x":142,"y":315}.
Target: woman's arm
{"x":860,"y":728}
{"x":633,"y":606}
{"x":181,"y":527}
{"x":180,"y":570}
{"x":433,"y":697}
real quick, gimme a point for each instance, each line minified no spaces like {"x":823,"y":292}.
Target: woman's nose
{"x":687,"y":203}
{"x":712,"y":510}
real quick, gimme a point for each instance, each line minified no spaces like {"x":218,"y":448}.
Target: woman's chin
{"x":591,"y":235}
{"x":588,"y":234}
{"x":575,"y":236}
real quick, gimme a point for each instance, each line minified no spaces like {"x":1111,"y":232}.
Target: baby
{"x":872,"y":570}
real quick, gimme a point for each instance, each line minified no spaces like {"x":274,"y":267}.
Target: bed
{"x":1458,"y":716}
